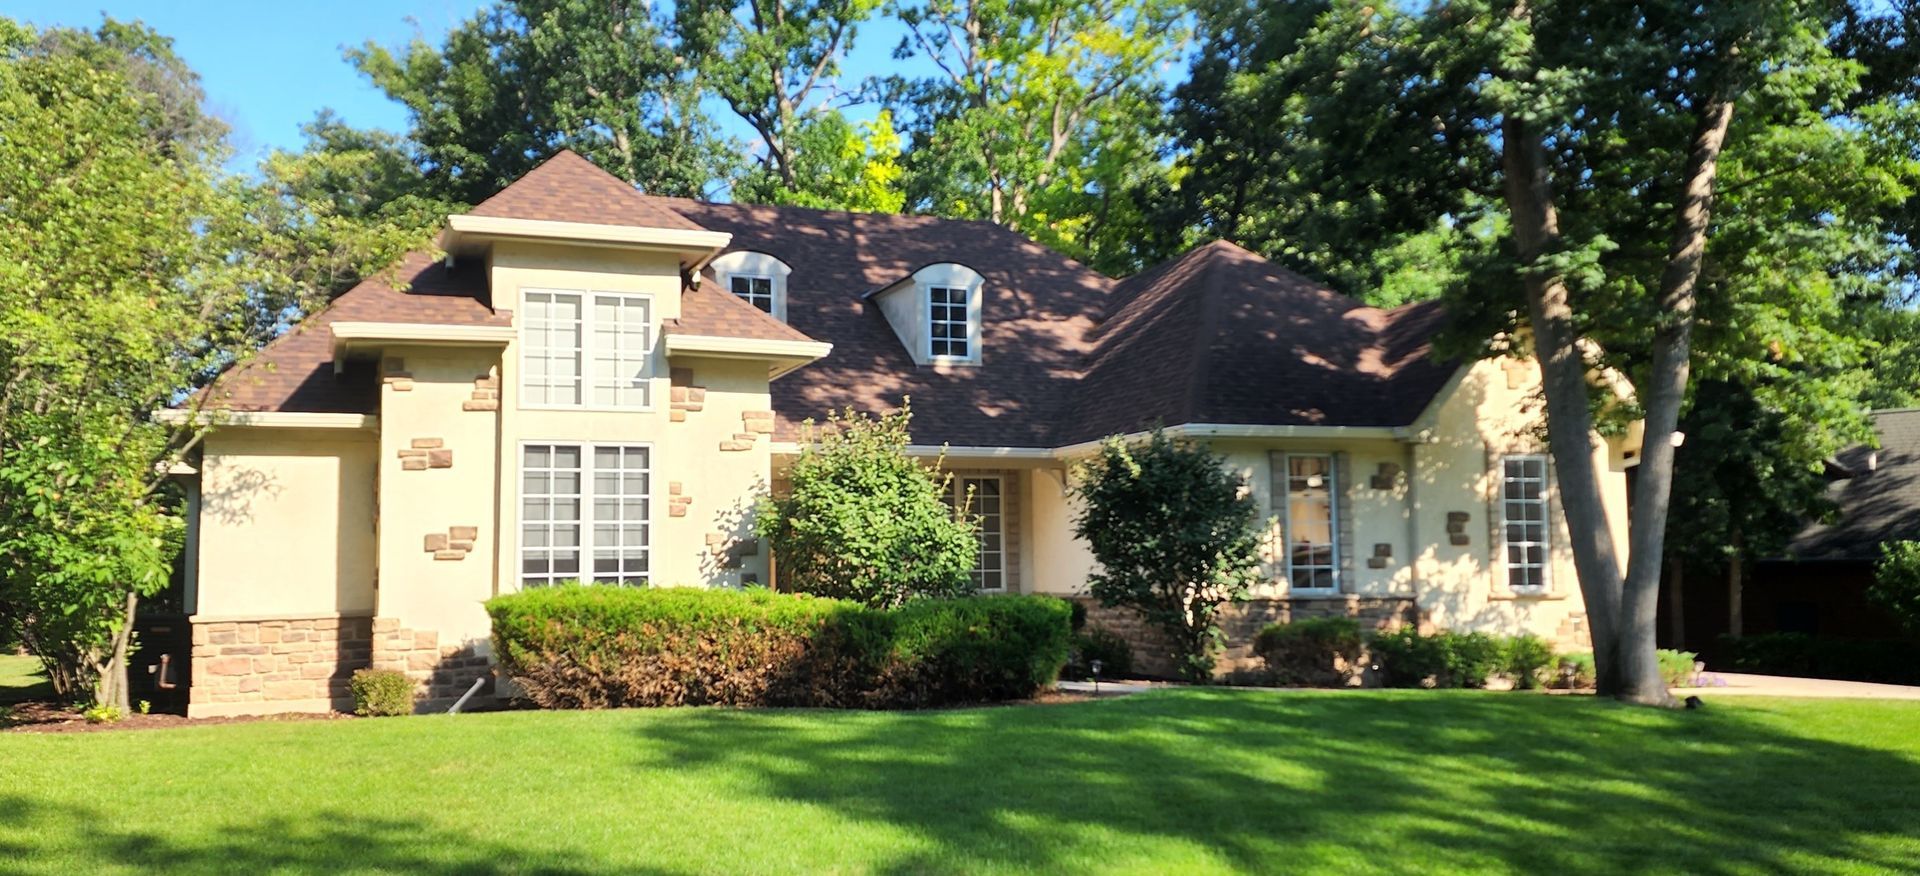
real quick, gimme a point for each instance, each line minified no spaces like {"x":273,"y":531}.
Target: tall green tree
{"x":111,"y":303}
{"x":523,"y":78}
{"x":776,"y":64}
{"x":1041,"y":115}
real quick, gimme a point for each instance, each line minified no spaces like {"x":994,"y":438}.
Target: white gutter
{"x":784,"y":354}
{"x":1241,"y":430}
{"x":269,"y":419}
{"x":348,"y":335}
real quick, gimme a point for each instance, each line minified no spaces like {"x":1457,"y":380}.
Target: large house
{"x":594,"y":383}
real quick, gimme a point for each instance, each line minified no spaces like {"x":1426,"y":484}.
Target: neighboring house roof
{"x":1877,"y":493}
{"x":295,"y":371}
{"x":1218,"y":335}
{"x":1221,"y":335}
{"x":569,"y":188}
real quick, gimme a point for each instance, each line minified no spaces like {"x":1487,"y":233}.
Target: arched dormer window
{"x":950,"y":298}
{"x":756,"y":278}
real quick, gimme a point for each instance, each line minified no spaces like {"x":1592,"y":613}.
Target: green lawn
{"x":1178,"y":781}
{"x":21,"y":679}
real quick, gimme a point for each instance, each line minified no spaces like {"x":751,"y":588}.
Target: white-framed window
{"x":948,"y":326}
{"x":571,"y":490}
{"x":1524,"y":521}
{"x":983,"y":498}
{"x":755,"y":290}
{"x":756,"y":278}
{"x":590,"y":349}
{"x":1312,"y":530}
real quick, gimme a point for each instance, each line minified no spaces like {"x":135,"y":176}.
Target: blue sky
{"x":267,"y":67}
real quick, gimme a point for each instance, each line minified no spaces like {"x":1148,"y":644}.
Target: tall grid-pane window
{"x":947,"y":321}
{"x":621,"y":343}
{"x":568,"y":489}
{"x":620,"y":491}
{"x":1310,"y":530}
{"x":585,"y":348}
{"x":757,"y":291}
{"x":550,"y":492}
{"x":1523,"y":520}
{"x":550,"y":348}
{"x":983,"y":499}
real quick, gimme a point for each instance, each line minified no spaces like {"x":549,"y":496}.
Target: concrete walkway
{"x":1724,"y":683}
{"x":1713,"y":684}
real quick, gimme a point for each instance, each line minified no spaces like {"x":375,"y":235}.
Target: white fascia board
{"x":350,"y":336}
{"x":781,"y":356}
{"x":697,"y":243}
{"x":268,"y":419}
{"x":1008,"y":453}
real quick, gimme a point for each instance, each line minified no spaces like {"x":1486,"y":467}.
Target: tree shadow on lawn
{"x":1332,"y":782}
{"x":311,"y":842}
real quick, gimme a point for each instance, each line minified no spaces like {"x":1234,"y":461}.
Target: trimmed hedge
{"x":1444,"y":659}
{"x":1888,"y":661}
{"x":1315,"y":652}
{"x":600,"y":647}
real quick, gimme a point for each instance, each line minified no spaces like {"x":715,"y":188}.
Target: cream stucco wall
{"x":722,"y":484}
{"x":286,"y":523}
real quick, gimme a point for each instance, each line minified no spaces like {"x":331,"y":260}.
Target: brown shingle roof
{"x":1878,"y":499}
{"x":706,"y":310}
{"x":1039,"y":308}
{"x":295,"y":371}
{"x":569,"y":188}
{"x":1221,"y":335}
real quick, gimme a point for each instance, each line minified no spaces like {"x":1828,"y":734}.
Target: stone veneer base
{"x":305,"y":664}
{"x":1242,"y":622}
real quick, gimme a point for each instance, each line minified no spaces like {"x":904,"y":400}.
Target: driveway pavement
{"x":1724,"y":683}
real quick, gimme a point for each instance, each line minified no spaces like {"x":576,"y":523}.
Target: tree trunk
{"x":112,"y":685}
{"x":1676,"y":609}
{"x":1735,"y":585}
{"x":1665,"y":393}
{"x":1536,"y":230}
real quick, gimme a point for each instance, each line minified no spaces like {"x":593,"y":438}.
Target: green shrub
{"x":380,"y":693}
{"x":1576,"y":670}
{"x":1529,"y":661}
{"x":1887,"y":661}
{"x":1113,"y":651}
{"x":1896,"y":583}
{"x":1444,"y":659}
{"x":599,"y":647}
{"x":102,"y":713}
{"x":1316,"y":652}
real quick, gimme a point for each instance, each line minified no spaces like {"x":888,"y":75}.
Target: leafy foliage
{"x":1445,"y":659}
{"x":1110,"y":649}
{"x":1896,"y":583}
{"x":1172,"y":530}
{"x":523,"y":78}
{"x":1887,"y":661}
{"x":863,"y":521}
{"x":1316,"y":652}
{"x":598,"y":647}
{"x":381,"y":693}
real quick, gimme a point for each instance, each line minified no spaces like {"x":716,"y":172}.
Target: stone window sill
{"x":1510,"y":596}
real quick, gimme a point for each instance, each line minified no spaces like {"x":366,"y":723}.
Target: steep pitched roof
{"x":1878,"y":498}
{"x":1040,"y":307}
{"x":709,"y":311}
{"x":295,"y":371}
{"x":1221,"y":335}
{"x":569,"y":188}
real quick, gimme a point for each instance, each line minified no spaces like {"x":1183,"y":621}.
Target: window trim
{"x":586,"y":504}
{"x":586,"y":352}
{"x":1333,"y":525}
{"x":1546,"y":524}
{"x":969,"y":327}
{"x":954,"y":491}
{"x":753,"y":263}
{"x":773,"y":291}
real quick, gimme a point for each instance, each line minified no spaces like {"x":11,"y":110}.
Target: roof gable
{"x":569,"y":188}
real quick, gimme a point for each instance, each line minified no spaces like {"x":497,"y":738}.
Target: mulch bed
{"x":41,"y":717}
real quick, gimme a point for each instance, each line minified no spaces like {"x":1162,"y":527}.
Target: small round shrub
{"x":1444,"y":659}
{"x":1113,"y":651}
{"x":381,"y":693}
{"x":1529,"y":661}
{"x":1316,"y":652}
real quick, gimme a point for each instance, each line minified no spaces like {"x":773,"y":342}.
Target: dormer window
{"x":756,"y":278}
{"x":948,"y":328}
{"x":757,"y":291}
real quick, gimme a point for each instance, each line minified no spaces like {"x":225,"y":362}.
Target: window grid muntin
{"x":1308,"y":505}
{"x":984,"y":498}
{"x":628,"y":348}
{"x":552,"y":349}
{"x":754,"y":289}
{"x":628,"y":517}
{"x":550,"y":539}
{"x":948,"y":323}
{"x":621,"y":350}
{"x":1525,"y":522}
